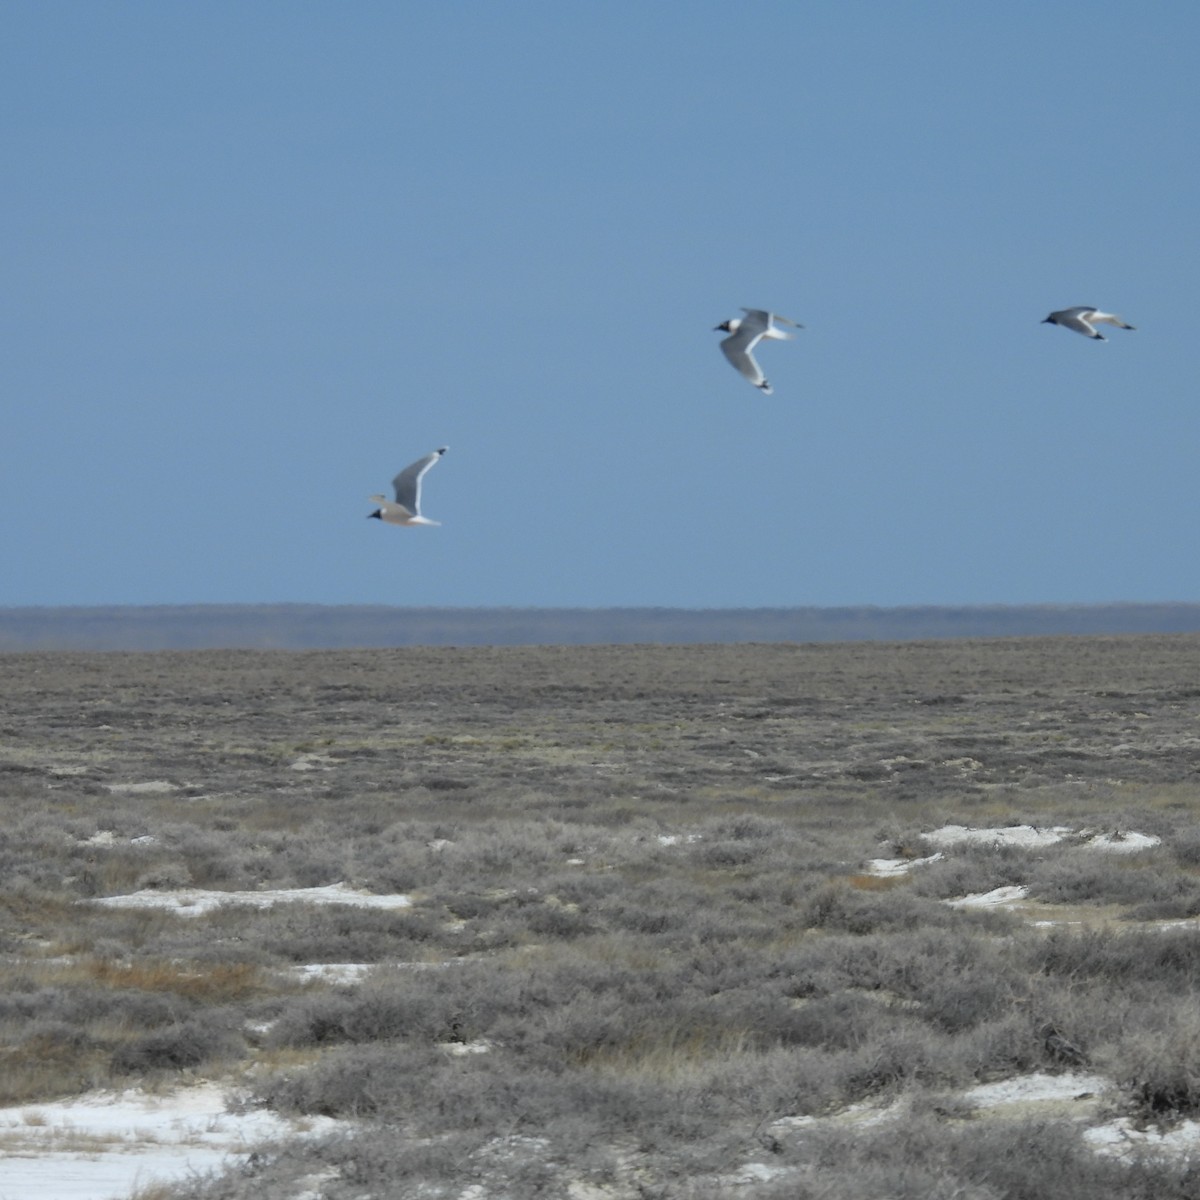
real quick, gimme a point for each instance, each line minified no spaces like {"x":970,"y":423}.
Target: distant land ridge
{"x":315,"y":626}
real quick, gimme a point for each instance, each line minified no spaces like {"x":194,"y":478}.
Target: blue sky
{"x":261,"y":256}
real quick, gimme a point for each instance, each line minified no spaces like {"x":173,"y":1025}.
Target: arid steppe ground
{"x":645,"y":953}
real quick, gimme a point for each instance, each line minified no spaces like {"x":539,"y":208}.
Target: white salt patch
{"x":460,"y":1048}
{"x":1031,"y":837}
{"x":997,"y":896}
{"x":1123,"y":843}
{"x":899,"y":866}
{"x":1012,"y":835}
{"x":1028,"y":1088}
{"x":104,"y":1145}
{"x":854,"y":1114}
{"x":106,"y":837}
{"x":1120,"y":1137}
{"x":151,"y":787}
{"x":194,"y":902}
{"x":315,"y":762}
{"x":334,"y":972}
{"x":355,"y":972}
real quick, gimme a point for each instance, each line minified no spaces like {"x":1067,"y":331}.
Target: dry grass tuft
{"x":210,"y":983}
{"x":874,"y":883}
{"x":48,"y":1065}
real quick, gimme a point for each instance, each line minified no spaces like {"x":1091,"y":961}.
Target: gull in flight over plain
{"x":1084,"y":319}
{"x":744,"y":334}
{"x":406,"y":510}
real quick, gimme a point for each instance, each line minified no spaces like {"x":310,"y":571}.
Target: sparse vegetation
{"x":315,"y":626}
{"x":644,"y":947}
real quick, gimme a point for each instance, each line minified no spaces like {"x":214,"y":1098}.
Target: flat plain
{"x":647,"y":949}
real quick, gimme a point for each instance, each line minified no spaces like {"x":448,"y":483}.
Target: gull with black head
{"x":1084,"y":319}
{"x":744,"y":334}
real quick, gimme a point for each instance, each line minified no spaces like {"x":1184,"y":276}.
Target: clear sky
{"x":259,"y":256}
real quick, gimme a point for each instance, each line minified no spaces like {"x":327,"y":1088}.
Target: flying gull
{"x":407,"y":507}
{"x":1084,"y":319}
{"x":744,"y":334}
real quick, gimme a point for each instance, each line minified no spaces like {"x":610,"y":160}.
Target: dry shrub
{"x":181,"y":1046}
{"x":1170,"y":958}
{"x":918,"y":1158}
{"x":1159,"y":1072}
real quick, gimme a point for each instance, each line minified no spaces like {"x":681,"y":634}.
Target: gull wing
{"x":408,"y":482}
{"x":737,"y":347}
{"x":761,"y":319}
{"x":1076,"y":319}
{"x":756,"y":321}
{"x":1108,"y":319}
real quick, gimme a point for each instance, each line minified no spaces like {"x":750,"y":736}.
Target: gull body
{"x":744,"y":334}
{"x":1084,"y":319}
{"x":406,"y":508}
